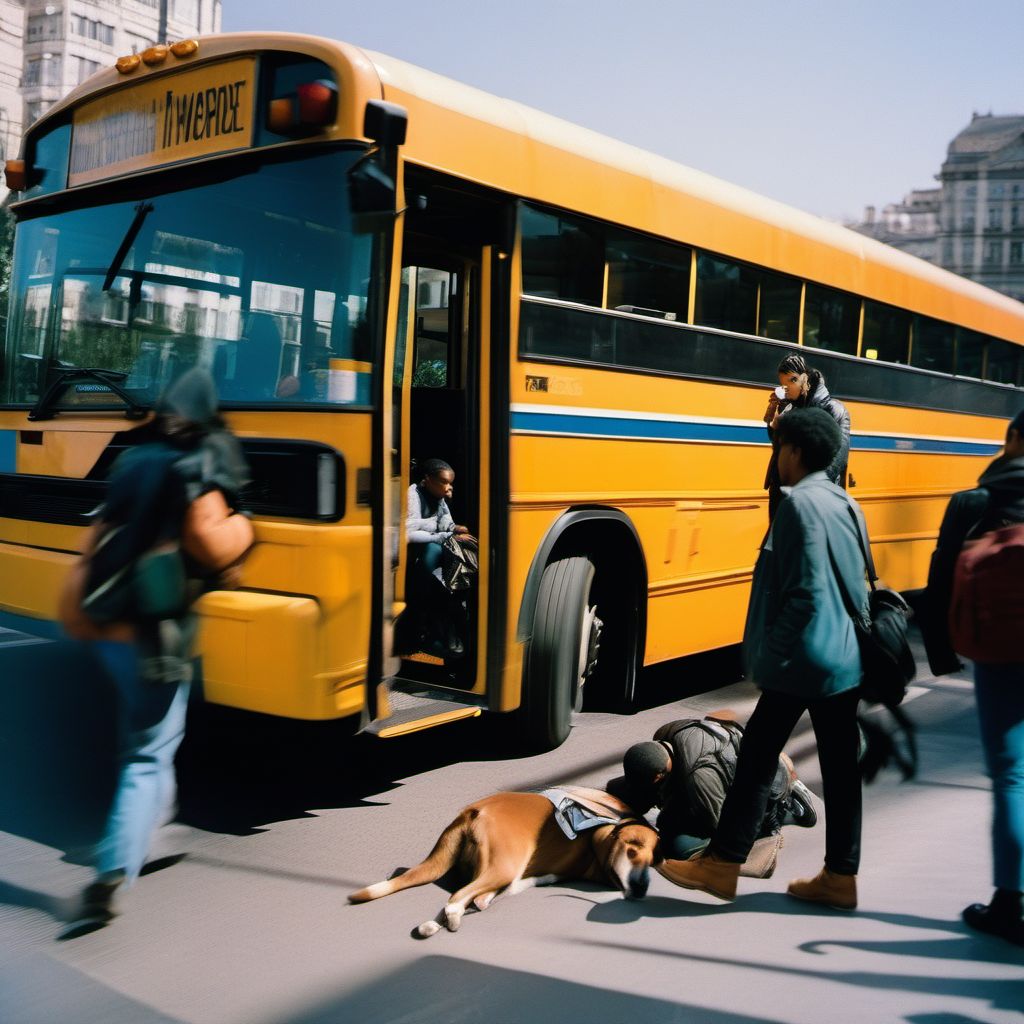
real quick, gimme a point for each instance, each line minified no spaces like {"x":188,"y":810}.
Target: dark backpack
{"x":987,"y":606}
{"x":887,"y":662}
{"x":709,"y":749}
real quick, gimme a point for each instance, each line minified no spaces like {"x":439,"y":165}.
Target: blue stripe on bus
{"x":922,"y":444}
{"x":724,"y":433}
{"x":8,"y":451}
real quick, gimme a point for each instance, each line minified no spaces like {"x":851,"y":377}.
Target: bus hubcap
{"x":590,"y":644}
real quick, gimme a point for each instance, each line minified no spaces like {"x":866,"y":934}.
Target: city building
{"x":12,"y":37}
{"x":973,"y":224}
{"x":981,"y":222}
{"x":911,"y":225}
{"x":68,"y":40}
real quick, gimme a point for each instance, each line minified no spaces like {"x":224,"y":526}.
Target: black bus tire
{"x":552,"y":684}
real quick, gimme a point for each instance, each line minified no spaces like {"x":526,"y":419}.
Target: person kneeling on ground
{"x":686,"y":771}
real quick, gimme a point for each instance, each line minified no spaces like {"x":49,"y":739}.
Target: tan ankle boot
{"x":707,"y":873}
{"x":836,"y":891}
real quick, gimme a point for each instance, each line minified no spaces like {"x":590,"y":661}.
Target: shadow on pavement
{"x":237,"y":771}
{"x":60,"y":909}
{"x":37,"y":989}
{"x":1001,"y":993}
{"x":687,"y":677}
{"x":456,"y":991}
{"x":776,"y":903}
{"x":57,"y":764}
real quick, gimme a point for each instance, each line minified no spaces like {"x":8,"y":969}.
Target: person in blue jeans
{"x":150,"y":730}
{"x":173,"y":494}
{"x":999,"y":688}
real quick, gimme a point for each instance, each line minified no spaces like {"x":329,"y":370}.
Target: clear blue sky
{"x":827,"y":105}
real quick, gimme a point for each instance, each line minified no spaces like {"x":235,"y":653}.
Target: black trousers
{"x":772,"y":723}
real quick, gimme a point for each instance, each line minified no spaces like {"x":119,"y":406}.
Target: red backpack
{"x":986,"y":613}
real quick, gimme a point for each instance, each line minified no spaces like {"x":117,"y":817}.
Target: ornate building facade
{"x":981,"y":221}
{"x":973,"y":224}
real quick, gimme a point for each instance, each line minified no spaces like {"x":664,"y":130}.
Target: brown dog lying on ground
{"x":512,"y":841}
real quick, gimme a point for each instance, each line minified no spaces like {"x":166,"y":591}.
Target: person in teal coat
{"x":802,"y":652}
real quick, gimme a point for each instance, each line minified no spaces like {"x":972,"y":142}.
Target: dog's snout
{"x":639,"y":881}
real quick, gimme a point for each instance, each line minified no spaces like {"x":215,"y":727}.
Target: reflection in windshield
{"x":261,"y":279}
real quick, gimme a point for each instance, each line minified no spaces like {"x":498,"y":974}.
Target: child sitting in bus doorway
{"x":433,"y":617}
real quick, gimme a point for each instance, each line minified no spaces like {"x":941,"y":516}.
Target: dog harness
{"x":576,"y":813}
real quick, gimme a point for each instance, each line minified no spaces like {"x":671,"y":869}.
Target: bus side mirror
{"x":385,"y":123}
{"x":371,"y":180}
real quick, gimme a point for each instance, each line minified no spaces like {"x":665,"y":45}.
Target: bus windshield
{"x":263,"y":279}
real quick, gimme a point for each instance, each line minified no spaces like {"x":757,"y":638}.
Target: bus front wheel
{"x":562,"y":653}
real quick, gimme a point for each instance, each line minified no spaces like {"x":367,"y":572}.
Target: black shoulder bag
{"x":887,"y":663}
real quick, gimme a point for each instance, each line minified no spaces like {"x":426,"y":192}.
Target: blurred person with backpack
{"x":686,"y":771}
{"x":168,"y":531}
{"x":974,"y":606}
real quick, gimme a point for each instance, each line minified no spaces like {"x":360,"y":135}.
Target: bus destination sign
{"x":200,"y":112}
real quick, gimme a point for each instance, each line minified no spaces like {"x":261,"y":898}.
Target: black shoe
{"x":984,"y":918}
{"x":96,"y":907}
{"x":800,"y":807}
{"x":98,"y":898}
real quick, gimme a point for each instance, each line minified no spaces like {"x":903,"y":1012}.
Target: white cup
{"x":780,"y":393}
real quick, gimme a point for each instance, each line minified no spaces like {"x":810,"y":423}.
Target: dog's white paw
{"x":453,"y":917}
{"x":484,"y":901}
{"x":427,"y":929}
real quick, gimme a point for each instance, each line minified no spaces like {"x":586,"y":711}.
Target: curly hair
{"x":814,"y":432}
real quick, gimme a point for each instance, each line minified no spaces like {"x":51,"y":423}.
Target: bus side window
{"x":434,"y":359}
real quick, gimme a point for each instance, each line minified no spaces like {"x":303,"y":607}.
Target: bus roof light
{"x":312,"y":105}
{"x":155,"y":55}
{"x":16,"y":175}
{"x":185,"y":47}
{"x":127,"y":64}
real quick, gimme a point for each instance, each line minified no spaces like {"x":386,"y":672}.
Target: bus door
{"x":440,"y":410}
{"x":434,"y":632}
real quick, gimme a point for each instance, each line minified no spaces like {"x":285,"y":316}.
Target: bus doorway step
{"x":418,"y":709}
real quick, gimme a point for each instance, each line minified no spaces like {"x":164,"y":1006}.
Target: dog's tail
{"x":441,"y":860}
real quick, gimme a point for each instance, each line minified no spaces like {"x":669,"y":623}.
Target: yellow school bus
{"x":378,"y":266}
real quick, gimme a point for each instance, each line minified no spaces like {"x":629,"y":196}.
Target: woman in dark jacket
{"x":804,"y":388}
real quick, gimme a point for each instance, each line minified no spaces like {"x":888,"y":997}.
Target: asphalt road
{"x":281,"y":822}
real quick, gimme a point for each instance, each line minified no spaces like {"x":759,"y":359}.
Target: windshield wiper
{"x":142,"y":211}
{"x":68,"y":375}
